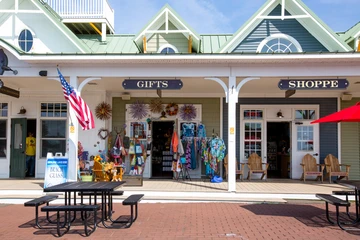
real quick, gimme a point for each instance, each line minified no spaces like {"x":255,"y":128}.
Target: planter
{"x":87,"y":178}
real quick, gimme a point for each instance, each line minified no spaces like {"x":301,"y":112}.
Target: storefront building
{"x":232,"y":80}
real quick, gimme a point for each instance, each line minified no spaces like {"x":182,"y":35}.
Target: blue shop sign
{"x":308,"y":84}
{"x":55,"y":171}
{"x":146,"y":84}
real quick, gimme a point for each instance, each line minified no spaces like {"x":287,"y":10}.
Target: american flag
{"x":81,"y":109}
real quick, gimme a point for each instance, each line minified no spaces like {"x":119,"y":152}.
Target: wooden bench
{"x":337,"y":202}
{"x":73,"y":208}
{"x":131,"y":201}
{"x":38,"y":202}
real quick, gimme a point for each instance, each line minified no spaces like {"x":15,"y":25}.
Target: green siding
{"x":176,"y":39}
{"x":350,"y":142}
{"x":210,"y":110}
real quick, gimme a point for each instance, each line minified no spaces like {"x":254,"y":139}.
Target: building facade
{"x":232,"y":80}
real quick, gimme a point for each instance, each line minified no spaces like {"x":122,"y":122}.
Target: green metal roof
{"x":114,"y":43}
{"x":210,"y":43}
{"x":349,"y":35}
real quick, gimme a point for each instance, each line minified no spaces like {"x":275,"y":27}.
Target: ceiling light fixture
{"x":279,"y":114}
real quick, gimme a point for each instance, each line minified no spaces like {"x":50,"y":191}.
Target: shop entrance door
{"x":278,"y":145}
{"x":161,"y":157}
{"x":305,"y":139}
{"x":17,"y":147}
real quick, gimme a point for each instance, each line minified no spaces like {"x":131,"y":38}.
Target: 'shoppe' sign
{"x":308,"y":84}
{"x":147,"y":84}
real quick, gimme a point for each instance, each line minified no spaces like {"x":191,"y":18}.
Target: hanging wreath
{"x":103,"y":111}
{"x":188,"y":112}
{"x":103,"y":133}
{"x":172,"y":109}
{"x":138,"y":110}
{"x":156,"y":106}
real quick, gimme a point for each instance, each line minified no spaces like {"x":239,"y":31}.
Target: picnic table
{"x":103,"y":189}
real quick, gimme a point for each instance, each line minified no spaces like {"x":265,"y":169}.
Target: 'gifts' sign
{"x":308,"y":84}
{"x":147,"y":84}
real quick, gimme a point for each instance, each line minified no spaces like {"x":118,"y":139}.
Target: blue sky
{"x":224,"y":16}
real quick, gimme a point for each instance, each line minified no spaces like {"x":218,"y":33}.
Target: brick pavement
{"x":194,"y":221}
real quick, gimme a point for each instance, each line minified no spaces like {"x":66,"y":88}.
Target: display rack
{"x":167,"y":161}
{"x":272,"y":156}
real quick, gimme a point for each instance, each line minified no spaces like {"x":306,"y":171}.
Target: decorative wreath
{"x":188,"y":112}
{"x":103,"y":133}
{"x":156,"y":106}
{"x":172,"y":109}
{"x":103,"y":111}
{"x":138,"y":110}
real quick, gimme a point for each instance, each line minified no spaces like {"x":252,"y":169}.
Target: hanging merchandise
{"x":201,"y":131}
{"x":126,"y":142}
{"x":156,"y":106}
{"x":138,"y":110}
{"x":103,"y":111}
{"x":172,"y":109}
{"x":188,"y":129}
{"x":132,"y":147}
{"x":188,"y":112}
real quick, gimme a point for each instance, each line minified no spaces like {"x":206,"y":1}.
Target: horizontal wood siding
{"x":350,"y":143}
{"x":328,"y":131}
{"x":176,"y":39}
{"x":290,"y":27}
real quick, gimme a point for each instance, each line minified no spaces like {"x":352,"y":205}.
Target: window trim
{"x":276,"y":36}
{"x":25,"y":41}
{"x":167,"y":46}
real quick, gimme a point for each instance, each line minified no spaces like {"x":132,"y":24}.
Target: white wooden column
{"x":232,"y":93}
{"x":231,"y":147}
{"x":73,"y":133}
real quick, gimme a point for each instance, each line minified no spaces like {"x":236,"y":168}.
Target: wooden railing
{"x":83,"y":9}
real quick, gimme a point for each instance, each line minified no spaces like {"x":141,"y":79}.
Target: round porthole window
{"x":167,"y":49}
{"x":26,"y":40}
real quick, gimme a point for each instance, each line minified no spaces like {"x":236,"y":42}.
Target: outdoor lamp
{"x":163,"y":115}
{"x":7,"y":68}
{"x":279,"y":114}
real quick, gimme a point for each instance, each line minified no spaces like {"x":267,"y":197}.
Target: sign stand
{"x":56,"y":169}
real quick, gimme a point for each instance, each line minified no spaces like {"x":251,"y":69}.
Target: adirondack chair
{"x":255,"y":165}
{"x":333,"y":168}
{"x":311,"y":168}
{"x":238,"y":171}
{"x":99,"y":173}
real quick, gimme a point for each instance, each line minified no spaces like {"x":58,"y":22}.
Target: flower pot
{"x":86,"y":178}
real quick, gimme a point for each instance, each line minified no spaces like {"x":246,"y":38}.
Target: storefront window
{"x":3,"y":109}
{"x":138,"y":130}
{"x":305,"y":138}
{"x":53,"y":109}
{"x":305,"y":114}
{"x":253,"y":114}
{"x":252,"y":141}
{"x":2,"y":138}
{"x":53,"y":137}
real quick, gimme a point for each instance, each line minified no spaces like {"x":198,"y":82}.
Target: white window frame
{"x":167,"y":46}
{"x":53,"y":118}
{"x":276,"y":36}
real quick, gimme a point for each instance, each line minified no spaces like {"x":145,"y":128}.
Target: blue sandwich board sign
{"x":56,"y":170}
{"x":147,"y":84}
{"x":313,"y":84}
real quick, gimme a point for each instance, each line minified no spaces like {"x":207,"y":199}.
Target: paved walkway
{"x":273,"y":209}
{"x":193,"y":221}
{"x":155,"y":190}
